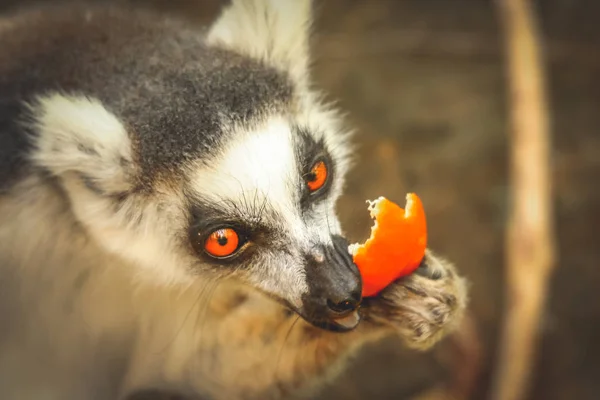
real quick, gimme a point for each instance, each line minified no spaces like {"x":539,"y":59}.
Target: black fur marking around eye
{"x":205,"y":217}
{"x":309,"y":152}
{"x":308,"y":149}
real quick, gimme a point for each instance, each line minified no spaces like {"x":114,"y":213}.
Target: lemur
{"x":167,"y":211}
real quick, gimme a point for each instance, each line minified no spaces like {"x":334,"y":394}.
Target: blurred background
{"x":424,"y":84}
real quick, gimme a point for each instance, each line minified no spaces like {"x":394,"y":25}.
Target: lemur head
{"x":218,"y":160}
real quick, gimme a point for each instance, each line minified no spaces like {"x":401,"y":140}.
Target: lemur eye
{"x":317,"y":176}
{"x":222,"y":243}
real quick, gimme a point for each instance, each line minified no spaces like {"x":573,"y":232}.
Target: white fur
{"x":257,"y":170}
{"x":148,"y":244}
{"x":275,"y":31}
{"x":261,"y":161}
{"x":65,"y":127}
{"x":68,"y":128}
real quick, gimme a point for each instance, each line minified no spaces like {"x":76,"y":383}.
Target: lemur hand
{"x":423,"y":306}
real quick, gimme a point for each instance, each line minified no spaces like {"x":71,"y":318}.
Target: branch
{"x":530,"y":237}
{"x":405,"y":43}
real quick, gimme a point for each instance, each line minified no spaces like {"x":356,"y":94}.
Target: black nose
{"x":341,"y":286}
{"x":345,"y":306}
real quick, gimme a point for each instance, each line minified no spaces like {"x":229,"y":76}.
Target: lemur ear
{"x":77,"y":136}
{"x":276,"y":31}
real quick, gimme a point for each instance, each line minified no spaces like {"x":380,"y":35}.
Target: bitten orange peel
{"x":396,"y":246}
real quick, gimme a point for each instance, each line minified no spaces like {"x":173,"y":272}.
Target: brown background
{"x":423,"y":83}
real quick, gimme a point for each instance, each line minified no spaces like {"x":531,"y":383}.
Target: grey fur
{"x":133,"y":61}
{"x":103,"y":291}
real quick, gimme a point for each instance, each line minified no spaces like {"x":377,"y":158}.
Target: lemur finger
{"x":423,"y":306}
{"x":430,"y":267}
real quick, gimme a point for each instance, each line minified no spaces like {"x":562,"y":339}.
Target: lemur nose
{"x":345,"y":306}
{"x":344,"y":293}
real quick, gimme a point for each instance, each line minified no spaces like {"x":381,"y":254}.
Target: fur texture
{"x":126,"y":140}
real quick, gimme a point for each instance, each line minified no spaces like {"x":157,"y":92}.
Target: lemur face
{"x":265,"y":208}
{"x":205,"y":156}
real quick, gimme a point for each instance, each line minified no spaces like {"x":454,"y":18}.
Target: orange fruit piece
{"x":396,"y":246}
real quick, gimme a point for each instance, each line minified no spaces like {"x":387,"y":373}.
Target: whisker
{"x":201,"y":319}
{"x":293,"y":324}
{"x":217,"y":282}
{"x":254,"y":204}
{"x":263,"y":208}
{"x":192,"y":307}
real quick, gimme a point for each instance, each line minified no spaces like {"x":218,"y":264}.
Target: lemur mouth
{"x":343,"y":323}
{"x":349,"y":321}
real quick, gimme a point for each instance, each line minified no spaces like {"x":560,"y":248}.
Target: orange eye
{"x":222,"y":242}
{"x":317,"y":176}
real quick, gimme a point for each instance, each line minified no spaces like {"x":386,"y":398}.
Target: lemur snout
{"x":344,"y":294}
{"x":334,"y":281}
{"x":345,"y":306}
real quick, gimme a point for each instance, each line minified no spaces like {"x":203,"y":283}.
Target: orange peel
{"x":396,"y":246}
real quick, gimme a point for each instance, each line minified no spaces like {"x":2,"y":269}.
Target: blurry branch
{"x":468,"y":359}
{"x":404,"y":42}
{"x":530,"y":236}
